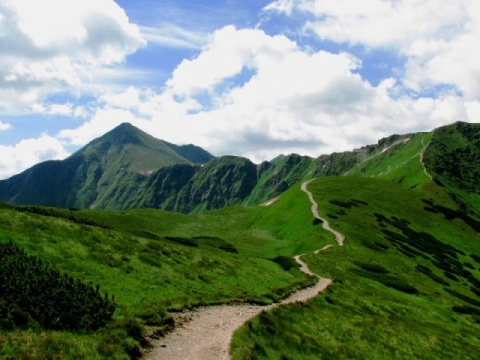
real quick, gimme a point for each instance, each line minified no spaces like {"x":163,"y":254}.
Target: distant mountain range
{"x":127,"y":168}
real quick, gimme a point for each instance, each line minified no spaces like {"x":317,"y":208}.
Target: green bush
{"x":285,"y":262}
{"x":466,"y":309}
{"x":387,"y":280}
{"x":463,"y":297}
{"x":376,"y":268}
{"x":31,"y":290}
{"x":182,"y":240}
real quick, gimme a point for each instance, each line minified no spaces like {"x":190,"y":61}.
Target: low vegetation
{"x":392,"y":296}
{"x":153,"y":263}
{"x":406,"y":283}
{"x":66,"y":303}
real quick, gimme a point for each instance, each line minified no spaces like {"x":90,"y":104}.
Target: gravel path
{"x":339,"y":237}
{"x":206,"y":333}
{"x":425,"y":171}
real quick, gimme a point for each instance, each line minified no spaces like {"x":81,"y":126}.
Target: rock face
{"x":127,"y":168}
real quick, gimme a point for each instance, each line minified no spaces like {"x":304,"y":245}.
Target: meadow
{"x":405,"y":282}
{"x":155,"y":263}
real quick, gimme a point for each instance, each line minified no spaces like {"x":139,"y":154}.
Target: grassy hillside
{"x":402,"y":283}
{"x":101,"y":174}
{"x":453,"y":157}
{"x":154,"y":262}
{"x":406,"y":283}
{"x":398,"y":162}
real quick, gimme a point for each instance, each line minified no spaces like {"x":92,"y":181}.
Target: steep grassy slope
{"x":127,"y":168}
{"x":153,"y":261}
{"x":399,"y":161}
{"x":407,"y":280}
{"x":453,"y":158}
{"x":100,"y":174}
{"x":403,"y":281}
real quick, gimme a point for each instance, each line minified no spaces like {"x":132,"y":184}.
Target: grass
{"x":364,"y":314}
{"x":156,"y":262}
{"x":399,"y":164}
{"x":406,"y":282}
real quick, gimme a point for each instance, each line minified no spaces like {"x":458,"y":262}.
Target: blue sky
{"x":249,"y":78}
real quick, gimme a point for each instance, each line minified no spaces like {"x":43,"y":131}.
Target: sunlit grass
{"x":360,"y":316}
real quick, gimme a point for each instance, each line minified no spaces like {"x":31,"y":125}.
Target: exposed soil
{"x":270,"y":201}
{"x":205,"y":333}
{"x":425,"y":171}
{"x":339,"y":237}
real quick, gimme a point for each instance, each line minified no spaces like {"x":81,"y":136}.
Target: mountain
{"x":90,"y":176}
{"x":406,"y":282}
{"x":127,"y":168}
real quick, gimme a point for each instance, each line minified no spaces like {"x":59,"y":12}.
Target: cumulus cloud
{"x":438,"y":37}
{"x":48,"y":46}
{"x":29,"y":152}
{"x":4,"y":126}
{"x":284,"y":99}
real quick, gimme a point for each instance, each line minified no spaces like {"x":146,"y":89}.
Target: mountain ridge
{"x":127,"y":168}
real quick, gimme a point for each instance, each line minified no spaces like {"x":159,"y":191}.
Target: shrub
{"x":32,"y":290}
{"x":476,"y":258}
{"x":344,"y":204}
{"x":228,"y":248}
{"x":463,"y":297}
{"x":466,"y":309}
{"x":387,"y":280}
{"x":150,"y":259}
{"x":376,"y":268}
{"x":72,"y":215}
{"x":285,"y":262}
{"x":431,"y":275}
{"x":182,"y":240}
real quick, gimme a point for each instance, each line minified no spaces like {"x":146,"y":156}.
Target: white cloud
{"x":50,"y":46}
{"x":66,"y":109}
{"x":288,"y":100}
{"x":170,"y":35}
{"x":29,"y":152}
{"x":102,"y":121}
{"x":226,"y":55}
{"x":4,"y":126}
{"x":438,"y":37}
{"x":281,"y":6}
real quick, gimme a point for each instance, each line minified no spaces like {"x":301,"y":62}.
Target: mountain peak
{"x":141,"y":151}
{"x":125,"y":133}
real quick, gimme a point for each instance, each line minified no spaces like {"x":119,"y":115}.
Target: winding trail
{"x":425,"y":171}
{"x":205,"y":333}
{"x":339,"y":237}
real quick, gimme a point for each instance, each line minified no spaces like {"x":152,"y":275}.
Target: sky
{"x":252,"y":78}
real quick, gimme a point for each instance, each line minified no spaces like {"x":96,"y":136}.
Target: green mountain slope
{"x":398,"y":161}
{"x":91,"y":176}
{"x":153,"y":262}
{"x":128,"y":169}
{"x":453,"y":158}
{"x":406,"y":282}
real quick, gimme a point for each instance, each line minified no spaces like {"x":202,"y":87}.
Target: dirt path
{"x":339,"y":237}
{"x":206,"y":333}
{"x":425,"y":171}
